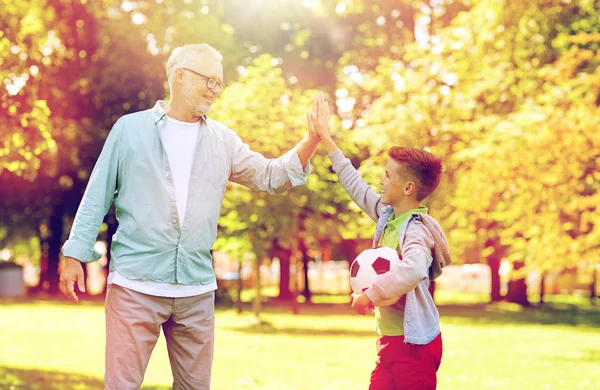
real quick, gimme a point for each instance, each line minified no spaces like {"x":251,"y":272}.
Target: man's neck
{"x":176,"y":111}
{"x":404,"y":206}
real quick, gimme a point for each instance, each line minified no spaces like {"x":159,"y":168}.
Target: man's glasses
{"x":210,"y":82}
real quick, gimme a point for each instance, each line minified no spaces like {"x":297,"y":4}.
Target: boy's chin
{"x":383,"y":200}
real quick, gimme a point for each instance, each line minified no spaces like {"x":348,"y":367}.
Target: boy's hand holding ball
{"x":361,"y":304}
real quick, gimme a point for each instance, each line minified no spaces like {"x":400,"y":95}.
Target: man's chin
{"x":202,"y":109}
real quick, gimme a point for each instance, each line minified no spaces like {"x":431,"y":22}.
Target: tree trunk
{"x":283,"y":254}
{"x":43,"y":284}
{"x":517,"y":288}
{"x":494,"y":263}
{"x":55,"y":230}
{"x":542,"y":288}
{"x":305,"y":259}
{"x":593,"y":285}
{"x":256,"y":304}
{"x":240,"y":286}
{"x":348,"y":249}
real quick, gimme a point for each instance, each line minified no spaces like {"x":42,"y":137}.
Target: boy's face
{"x":395,"y":185}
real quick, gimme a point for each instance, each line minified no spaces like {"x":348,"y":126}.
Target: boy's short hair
{"x":422,"y":166}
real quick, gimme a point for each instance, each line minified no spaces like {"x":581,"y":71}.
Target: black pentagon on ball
{"x":381,"y":265}
{"x":354,"y":269}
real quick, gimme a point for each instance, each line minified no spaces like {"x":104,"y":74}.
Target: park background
{"x":507,"y":92}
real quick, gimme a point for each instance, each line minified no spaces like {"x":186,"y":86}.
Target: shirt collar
{"x":396,"y":222}
{"x":158,"y":113}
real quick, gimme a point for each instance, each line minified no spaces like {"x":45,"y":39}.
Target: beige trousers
{"x":133,"y":322}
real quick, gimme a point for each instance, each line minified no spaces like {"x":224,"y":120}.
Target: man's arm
{"x":253,"y":170}
{"x":364,"y":196}
{"x":94,"y":205}
{"x":306,"y":149}
{"x":272,"y":175}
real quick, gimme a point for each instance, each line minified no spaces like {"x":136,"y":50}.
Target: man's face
{"x":393,"y":183}
{"x":197,"y":97}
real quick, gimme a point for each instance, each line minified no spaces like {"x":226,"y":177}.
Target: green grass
{"x":55,"y":345}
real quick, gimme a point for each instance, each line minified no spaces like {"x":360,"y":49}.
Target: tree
{"x":79,"y":93}
{"x":272,"y":120}
{"x":464,"y":94}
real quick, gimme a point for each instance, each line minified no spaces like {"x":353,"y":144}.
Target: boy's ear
{"x":410,"y":188}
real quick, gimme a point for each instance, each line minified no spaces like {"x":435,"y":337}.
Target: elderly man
{"x":166,"y":170}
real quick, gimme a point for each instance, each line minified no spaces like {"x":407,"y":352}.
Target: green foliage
{"x":271,"y":117}
{"x":511,"y":109}
{"x":506,"y":91}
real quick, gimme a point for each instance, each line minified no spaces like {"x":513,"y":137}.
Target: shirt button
{"x":174,"y":222}
{"x":168,"y":175}
{"x":172,"y":196}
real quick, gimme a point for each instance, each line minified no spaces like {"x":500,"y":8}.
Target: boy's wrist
{"x":330,"y":145}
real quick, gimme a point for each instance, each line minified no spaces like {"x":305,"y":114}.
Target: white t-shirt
{"x":179,"y":140}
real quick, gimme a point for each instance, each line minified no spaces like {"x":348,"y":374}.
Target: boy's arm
{"x":404,"y":277}
{"x":364,"y":196}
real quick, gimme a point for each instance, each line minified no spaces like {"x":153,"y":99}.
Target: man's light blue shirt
{"x":133,"y":170}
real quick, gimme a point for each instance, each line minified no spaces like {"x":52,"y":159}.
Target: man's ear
{"x":179,"y":76}
{"x":410,"y":188}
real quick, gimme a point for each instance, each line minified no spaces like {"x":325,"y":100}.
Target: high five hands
{"x":318,"y":122}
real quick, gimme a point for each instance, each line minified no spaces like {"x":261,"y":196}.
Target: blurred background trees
{"x":507,"y":92}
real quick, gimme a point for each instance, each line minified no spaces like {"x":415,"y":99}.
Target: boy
{"x":410,"y":343}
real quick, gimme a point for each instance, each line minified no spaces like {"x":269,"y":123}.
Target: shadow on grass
{"x":509,"y":313}
{"x":32,"y":379}
{"x":587,"y":356}
{"x":480,"y":313}
{"x":54,"y":299}
{"x":265,"y":328}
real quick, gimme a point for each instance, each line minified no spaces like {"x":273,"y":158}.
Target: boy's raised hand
{"x":318,"y":121}
{"x":319,"y":117}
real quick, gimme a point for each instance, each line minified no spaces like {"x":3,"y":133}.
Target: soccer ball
{"x":368,"y":265}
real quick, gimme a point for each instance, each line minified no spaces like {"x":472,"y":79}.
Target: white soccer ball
{"x":368,"y":265}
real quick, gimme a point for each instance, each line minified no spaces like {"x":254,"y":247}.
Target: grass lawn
{"x":55,"y":345}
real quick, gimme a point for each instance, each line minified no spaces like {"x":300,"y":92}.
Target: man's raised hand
{"x":318,"y":121}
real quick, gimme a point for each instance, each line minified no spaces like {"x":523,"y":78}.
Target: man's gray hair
{"x":180,"y":55}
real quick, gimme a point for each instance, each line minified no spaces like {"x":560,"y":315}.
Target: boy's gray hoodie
{"x":424,"y":254}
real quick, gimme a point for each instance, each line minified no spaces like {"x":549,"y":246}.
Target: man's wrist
{"x":311,"y":141}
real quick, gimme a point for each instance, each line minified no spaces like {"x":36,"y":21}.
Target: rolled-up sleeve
{"x":293,"y":166}
{"x":96,"y":200}
{"x":274,"y":176}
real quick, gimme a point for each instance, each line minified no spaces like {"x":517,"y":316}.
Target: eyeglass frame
{"x":208,"y":80}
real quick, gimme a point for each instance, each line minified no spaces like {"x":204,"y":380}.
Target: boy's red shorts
{"x":402,"y":366}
